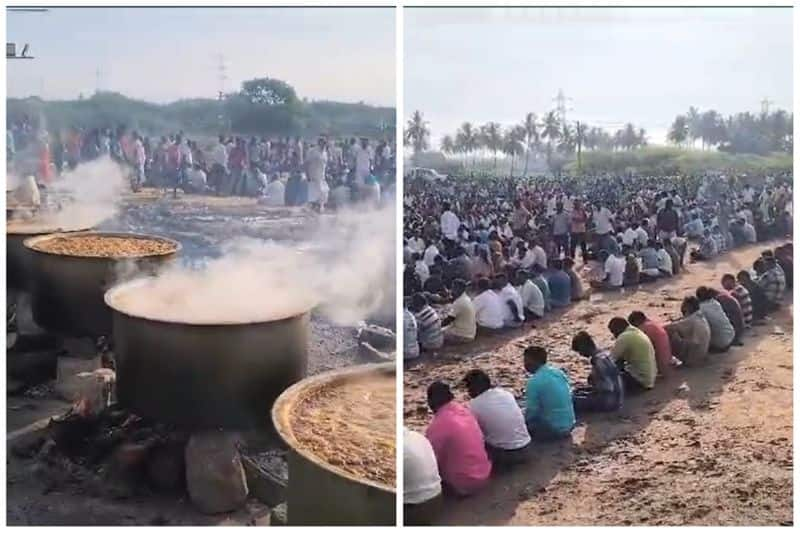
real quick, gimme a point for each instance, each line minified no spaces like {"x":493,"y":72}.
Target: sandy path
{"x":709,"y":446}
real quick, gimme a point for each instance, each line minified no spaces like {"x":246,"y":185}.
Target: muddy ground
{"x":202,"y":225}
{"x":710,"y":446}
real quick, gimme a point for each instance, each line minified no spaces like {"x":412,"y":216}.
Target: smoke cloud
{"x":86,"y":196}
{"x":346,"y":271}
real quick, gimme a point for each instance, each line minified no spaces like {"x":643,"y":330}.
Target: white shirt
{"x":602,"y":221}
{"x":362,"y":160}
{"x":220,"y":155}
{"x":615,"y":268}
{"x":532,"y":297}
{"x":509,"y":293}
{"x":629,"y":237}
{"x":664,"y":260}
{"x":500,"y":419}
{"x":422,"y":271}
{"x":421,"y":481}
{"x":316,"y":160}
{"x":528,"y":260}
{"x":449,"y":223}
{"x":430,"y":255}
{"x":642,"y":236}
{"x":275,"y":194}
{"x":540,"y":257}
{"x":186,"y":153}
{"x":196,"y":178}
{"x":489,"y":309}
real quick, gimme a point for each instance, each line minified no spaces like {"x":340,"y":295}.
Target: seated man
{"x":559,"y":283}
{"x":634,"y":354}
{"x":549,"y":413}
{"x":613,"y":269}
{"x":410,"y":342}
{"x":658,"y":337}
{"x":742,"y":295}
{"x":489,"y":307}
{"x":459,"y":326}
{"x":457,"y":442}
{"x":500,"y":419}
{"x":513,"y":314}
{"x":708,"y":248}
{"x":649,"y":257}
{"x":757,"y":296}
{"x":631,"y":277}
{"x":772,"y":281}
{"x":539,"y":280}
{"x":722,"y":331}
{"x":429,"y":325}
{"x":532,"y":298}
{"x":690,"y":337}
{"x":422,"y":486}
{"x":731,"y":307}
{"x":664,"y":260}
{"x":605,"y":390}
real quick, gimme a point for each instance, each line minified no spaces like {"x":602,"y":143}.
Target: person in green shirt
{"x":549,"y":413}
{"x":634,"y":354}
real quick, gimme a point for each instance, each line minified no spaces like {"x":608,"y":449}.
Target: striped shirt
{"x":429,"y":327}
{"x":773,"y":282}
{"x":742,"y":295}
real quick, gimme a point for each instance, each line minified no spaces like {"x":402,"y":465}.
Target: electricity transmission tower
{"x":765,"y":103}
{"x":562,"y":102}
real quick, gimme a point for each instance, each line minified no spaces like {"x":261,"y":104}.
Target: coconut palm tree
{"x":531,"y":127}
{"x":417,"y":133}
{"x":448,"y":146}
{"x":467,"y":140}
{"x":551,"y":131}
{"x":514,"y":144}
{"x":693,"y":123}
{"x":679,"y":131}
{"x":492,"y":139}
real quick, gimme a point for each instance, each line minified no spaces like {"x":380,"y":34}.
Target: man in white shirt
{"x":430,"y":254}
{"x":421,"y":268}
{"x":274,"y":194}
{"x":500,"y":418}
{"x":614,"y":270}
{"x":532,"y":297}
{"x":512,"y":317}
{"x":195,"y":180}
{"x":449,"y":223}
{"x":459,"y":326}
{"x":315,"y":162}
{"x":489,"y":307}
{"x":422,"y":485}
{"x":539,"y":255}
{"x":362,"y":162}
{"x":602,"y":221}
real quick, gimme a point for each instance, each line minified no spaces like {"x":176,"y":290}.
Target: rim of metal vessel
{"x":111,"y":293}
{"x":48,"y":231}
{"x":285,"y":403}
{"x":30,"y":242}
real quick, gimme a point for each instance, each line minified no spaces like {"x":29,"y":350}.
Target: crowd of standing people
{"x":287,"y":171}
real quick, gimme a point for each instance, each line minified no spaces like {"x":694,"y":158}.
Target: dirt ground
{"x":710,"y":446}
{"x":202,"y":224}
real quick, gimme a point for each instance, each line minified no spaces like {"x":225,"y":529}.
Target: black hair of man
{"x":458,"y":286}
{"x":439,"y":395}
{"x":703,"y":293}
{"x":617,"y":325}
{"x":477,"y":382}
{"x":583,"y":343}
{"x":636,"y":318}
{"x":484,"y":284}
{"x":418,"y":302}
{"x":534,"y":357}
{"x":690,"y":305}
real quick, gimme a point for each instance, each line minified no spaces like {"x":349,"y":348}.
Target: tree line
{"x":739,"y":133}
{"x":263,"y":106}
{"x":550,"y":138}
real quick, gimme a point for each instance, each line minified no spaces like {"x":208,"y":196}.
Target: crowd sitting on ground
{"x":475,"y":263}
{"x":281,"y":172}
{"x":518,"y":262}
{"x":464,"y":444}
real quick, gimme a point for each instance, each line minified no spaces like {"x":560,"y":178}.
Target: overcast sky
{"x":616,"y":65}
{"x":165,"y":54}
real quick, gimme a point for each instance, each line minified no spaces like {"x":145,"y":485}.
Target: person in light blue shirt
{"x":560,"y":285}
{"x":549,"y":412}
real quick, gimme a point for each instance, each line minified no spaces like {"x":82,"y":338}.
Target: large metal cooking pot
{"x":19,"y":262}
{"x":205,"y":375}
{"x":318,"y":493}
{"x":68,"y":290}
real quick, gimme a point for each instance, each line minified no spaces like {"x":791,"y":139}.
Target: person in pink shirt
{"x":457,"y":442}
{"x":658,"y":336}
